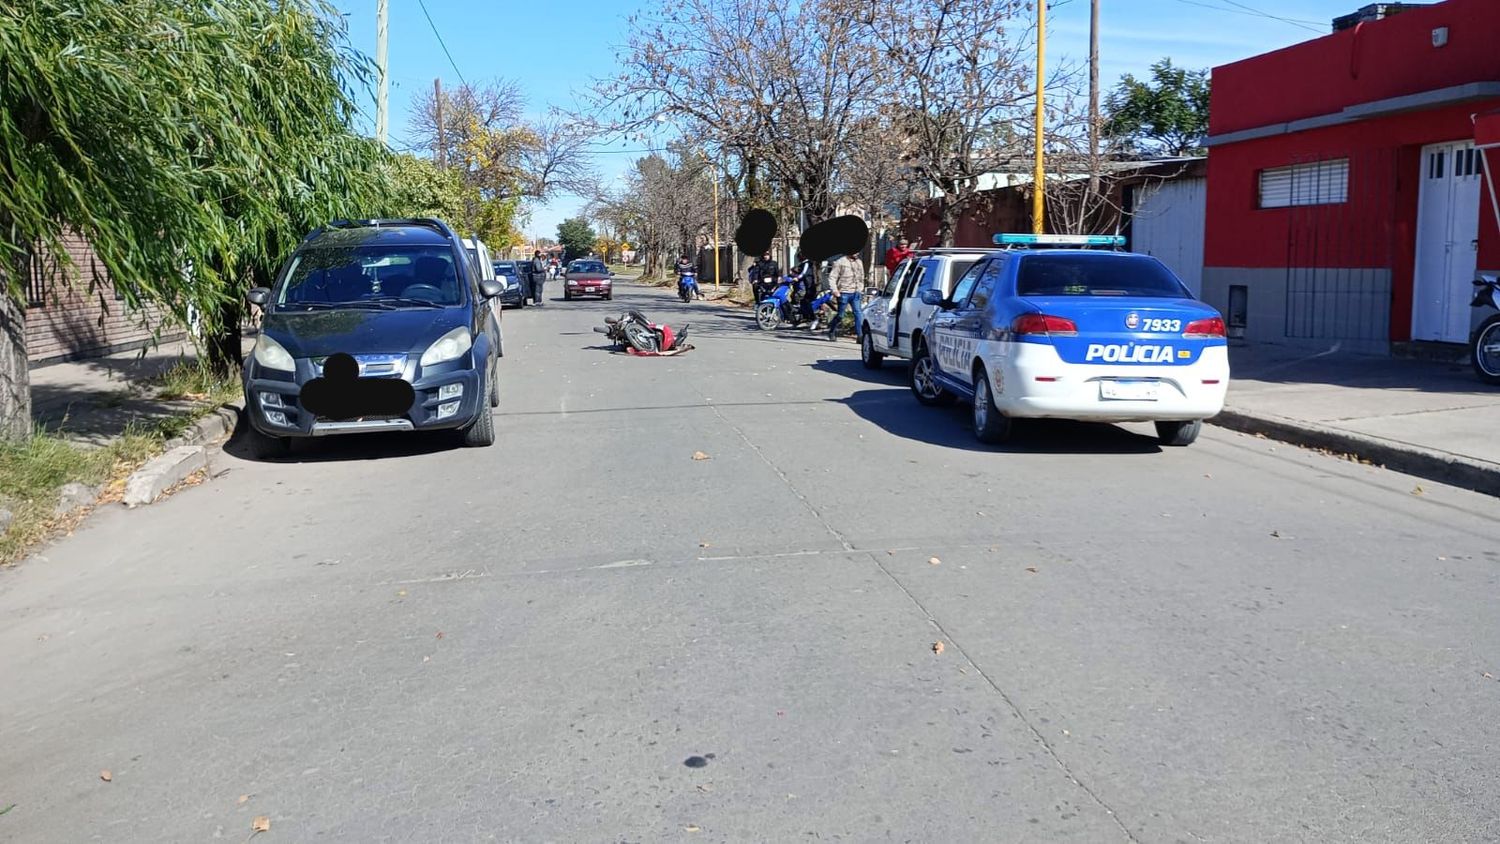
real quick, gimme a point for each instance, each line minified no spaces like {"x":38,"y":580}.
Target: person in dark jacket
{"x":538,"y":276}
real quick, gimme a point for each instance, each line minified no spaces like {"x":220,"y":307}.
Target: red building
{"x":1346,"y":199}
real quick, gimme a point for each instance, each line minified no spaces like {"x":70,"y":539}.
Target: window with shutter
{"x":1316,"y":183}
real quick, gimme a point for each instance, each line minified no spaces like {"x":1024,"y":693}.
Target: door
{"x":1447,"y":242}
{"x":879,"y":310}
{"x":910,"y":278}
{"x":1168,"y":224}
{"x":956,"y":331}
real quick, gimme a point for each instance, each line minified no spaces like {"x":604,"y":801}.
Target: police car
{"x":1049,"y":328}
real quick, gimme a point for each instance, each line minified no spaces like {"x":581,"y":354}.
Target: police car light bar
{"x":1114,"y":240}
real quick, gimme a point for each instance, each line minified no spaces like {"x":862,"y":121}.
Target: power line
{"x":442,"y":43}
{"x":1242,"y":9}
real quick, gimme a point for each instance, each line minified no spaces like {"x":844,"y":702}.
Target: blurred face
{"x":904,"y":244}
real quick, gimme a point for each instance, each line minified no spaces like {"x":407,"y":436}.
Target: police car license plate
{"x":1128,"y":390}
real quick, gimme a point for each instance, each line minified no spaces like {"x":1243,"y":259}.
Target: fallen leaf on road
{"x":244,"y":798}
{"x":691,"y":828}
{"x":1488,"y":676}
{"x":934,"y":561}
{"x":439,"y":634}
{"x":401,"y":594}
{"x":1208,"y":476}
{"x":703,"y":545}
{"x":7,"y":808}
{"x":937,"y":647}
{"x":1417,"y":490}
{"x":705,"y":788}
{"x":261,"y":824}
{"x":1031,"y":569}
{"x":698,"y":455}
{"x":106,"y":776}
{"x":1276,"y":534}
{"x":426,"y":659}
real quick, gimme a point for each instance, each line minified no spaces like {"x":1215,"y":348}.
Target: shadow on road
{"x":348,"y":447}
{"x":896,"y":412}
{"x":893,"y":374}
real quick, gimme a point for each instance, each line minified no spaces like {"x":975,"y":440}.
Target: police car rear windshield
{"x":1097,"y":274}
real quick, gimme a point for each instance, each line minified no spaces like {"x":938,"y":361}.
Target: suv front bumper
{"x":272,"y":402}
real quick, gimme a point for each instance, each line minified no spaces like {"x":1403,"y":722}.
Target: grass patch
{"x":193,"y":381}
{"x":33,"y":470}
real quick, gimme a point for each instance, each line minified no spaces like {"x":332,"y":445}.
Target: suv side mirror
{"x":258,"y":296}
{"x":491,"y":288}
{"x":933,"y":296}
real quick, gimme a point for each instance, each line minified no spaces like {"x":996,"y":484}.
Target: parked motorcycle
{"x":633,"y":333}
{"x":779,"y":307}
{"x":687,"y":286}
{"x":1484,"y":351}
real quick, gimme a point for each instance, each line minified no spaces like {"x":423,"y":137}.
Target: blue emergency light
{"x":1116,"y":241}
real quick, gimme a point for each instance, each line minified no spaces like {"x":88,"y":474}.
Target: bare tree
{"x":962,"y":75}
{"x":772,"y":83}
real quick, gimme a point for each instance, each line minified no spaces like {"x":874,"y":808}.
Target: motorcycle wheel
{"x":641,"y":337}
{"x":767,"y":316}
{"x":1485,"y":353}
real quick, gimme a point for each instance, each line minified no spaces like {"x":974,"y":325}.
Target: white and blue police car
{"x":1047,"y":327}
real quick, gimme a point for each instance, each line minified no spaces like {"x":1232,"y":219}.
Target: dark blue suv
{"x":374,"y":325}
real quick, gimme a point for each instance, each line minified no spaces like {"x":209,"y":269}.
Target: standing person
{"x":845,"y":281}
{"x":538,"y":276}
{"x":765,"y":276}
{"x":553,"y":266}
{"x":895,"y":255}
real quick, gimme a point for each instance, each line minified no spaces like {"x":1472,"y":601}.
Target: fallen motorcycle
{"x":636,"y":335}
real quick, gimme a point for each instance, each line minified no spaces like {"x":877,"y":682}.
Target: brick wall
{"x":74,"y":313}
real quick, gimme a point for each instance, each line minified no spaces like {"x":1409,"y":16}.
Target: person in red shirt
{"x":896,"y":254}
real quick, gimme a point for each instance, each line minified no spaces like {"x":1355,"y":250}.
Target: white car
{"x":896,"y":317}
{"x":484,"y":265}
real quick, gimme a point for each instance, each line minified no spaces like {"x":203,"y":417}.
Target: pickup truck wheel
{"x":867,"y":354}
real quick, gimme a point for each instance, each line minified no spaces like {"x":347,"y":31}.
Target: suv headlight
{"x":449,"y":346}
{"x":272,"y":355}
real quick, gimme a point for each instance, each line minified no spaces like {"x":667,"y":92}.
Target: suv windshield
{"x":400,"y":275}
{"x":1097,"y":275}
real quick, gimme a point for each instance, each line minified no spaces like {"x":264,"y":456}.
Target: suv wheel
{"x":1178,"y":433}
{"x":481,"y":432}
{"x":494,"y":383}
{"x":867,"y":354}
{"x":990,"y":425}
{"x":923,"y":379}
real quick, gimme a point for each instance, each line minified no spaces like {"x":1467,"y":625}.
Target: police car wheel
{"x":867,"y":354}
{"x":990,"y":425}
{"x":1178,"y":433}
{"x":923,"y":382}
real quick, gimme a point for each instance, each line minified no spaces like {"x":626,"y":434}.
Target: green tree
{"x":576,"y":236}
{"x":1168,"y":114}
{"x":191,"y":143}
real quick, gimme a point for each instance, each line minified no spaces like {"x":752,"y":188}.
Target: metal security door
{"x":1447,"y":242}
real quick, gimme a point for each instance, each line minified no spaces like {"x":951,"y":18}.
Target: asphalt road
{"x":583,"y":634}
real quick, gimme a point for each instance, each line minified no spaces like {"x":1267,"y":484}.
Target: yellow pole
{"x":1038,"y":177}
{"x":716,"y":232}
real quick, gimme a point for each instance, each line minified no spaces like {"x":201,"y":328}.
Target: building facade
{"x":1347,"y":201}
{"x":75,"y":313}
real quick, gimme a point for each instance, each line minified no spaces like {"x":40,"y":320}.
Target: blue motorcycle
{"x":778,"y":306}
{"x":687,"y":286}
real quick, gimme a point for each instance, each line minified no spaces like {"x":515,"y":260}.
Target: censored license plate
{"x":1128,"y":390}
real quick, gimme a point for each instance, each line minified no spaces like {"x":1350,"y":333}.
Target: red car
{"x":587,"y":277}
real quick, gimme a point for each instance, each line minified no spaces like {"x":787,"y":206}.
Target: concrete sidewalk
{"x":1431,"y":419}
{"x":93,"y":401}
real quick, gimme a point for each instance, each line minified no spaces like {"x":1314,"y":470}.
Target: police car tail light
{"x":1211,"y":327}
{"x":1044,"y":324}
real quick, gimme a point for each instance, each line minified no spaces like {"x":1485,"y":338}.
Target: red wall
{"x":1374,"y":61}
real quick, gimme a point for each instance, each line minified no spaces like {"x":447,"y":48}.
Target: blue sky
{"x":556,"y":49}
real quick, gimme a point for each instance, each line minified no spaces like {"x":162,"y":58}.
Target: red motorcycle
{"x":636,"y":335}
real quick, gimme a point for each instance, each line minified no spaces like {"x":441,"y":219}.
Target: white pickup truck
{"x":895,"y":317}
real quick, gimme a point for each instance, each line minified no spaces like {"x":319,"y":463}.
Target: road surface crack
{"x":1010,"y":703}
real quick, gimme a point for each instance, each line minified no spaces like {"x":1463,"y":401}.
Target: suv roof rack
{"x":376,"y":222}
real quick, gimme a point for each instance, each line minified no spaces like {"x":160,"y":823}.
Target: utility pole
{"x":383,"y":84}
{"x":716,"y":231}
{"x":437,"y":99}
{"x":1093,"y":104}
{"x":1038,"y":176}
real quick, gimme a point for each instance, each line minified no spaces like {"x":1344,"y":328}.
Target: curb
{"x":1440,"y":466}
{"x":183,"y":456}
